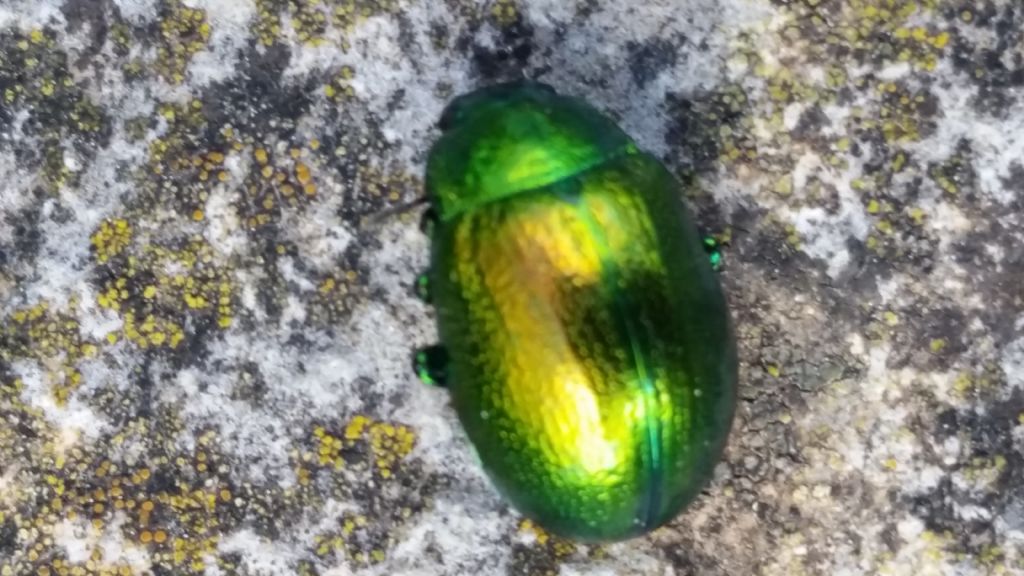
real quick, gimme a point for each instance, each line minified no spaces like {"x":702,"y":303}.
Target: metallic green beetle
{"x":585,"y":340}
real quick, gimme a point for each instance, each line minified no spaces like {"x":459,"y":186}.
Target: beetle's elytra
{"x":585,"y":339}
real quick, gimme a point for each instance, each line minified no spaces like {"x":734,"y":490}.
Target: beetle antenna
{"x":376,"y":219}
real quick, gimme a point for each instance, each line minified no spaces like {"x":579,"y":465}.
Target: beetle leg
{"x":714,"y":249}
{"x":431,"y":365}
{"x":423,"y":288}
{"x":427,"y":221}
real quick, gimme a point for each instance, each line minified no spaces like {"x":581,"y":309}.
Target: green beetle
{"x":585,"y":339}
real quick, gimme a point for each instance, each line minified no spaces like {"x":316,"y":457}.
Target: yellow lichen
{"x":184,"y":31}
{"x":111,"y":239}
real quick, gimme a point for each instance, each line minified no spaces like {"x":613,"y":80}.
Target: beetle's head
{"x":512,"y":138}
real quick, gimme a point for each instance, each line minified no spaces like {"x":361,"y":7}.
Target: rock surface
{"x":204,"y":348}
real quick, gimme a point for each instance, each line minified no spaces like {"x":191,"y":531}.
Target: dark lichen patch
{"x":23,"y":433}
{"x":773,"y":246}
{"x":985,"y":475}
{"x":811,"y":125}
{"x":182,"y":32}
{"x":258,"y":99}
{"x":956,"y":175}
{"x":688,"y":559}
{"x":368,"y":187}
{"x":1015,"y":181}
{"x":649,"y":59}
{"x":250,"y":386}
{"x":26,"y":236}
{"x":339,"y":290}
{"x":183,"y":165}
{"x":992,"y":61}
{"x":898,"y":238}
{"x":905,"y":114}
{"x":993,"y":252}
{"x":773,"y":373}
{"x":8,"y":537}
{"x":509,"y":57}
{"x":710,"y":129}
{"x":60,"y":118}
{"x":924,"y":337}
{"x":92,"y":14}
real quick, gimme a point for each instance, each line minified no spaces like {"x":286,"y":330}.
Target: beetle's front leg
{"x":428,"y":221}
{"x":713,"y":247}
{"x":431,"y":365}
{"x":422,"y":288}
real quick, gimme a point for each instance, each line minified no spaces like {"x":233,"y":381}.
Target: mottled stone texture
{"x":204,"y":346}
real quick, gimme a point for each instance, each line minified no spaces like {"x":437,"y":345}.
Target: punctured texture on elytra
{"x":592,"y":361}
